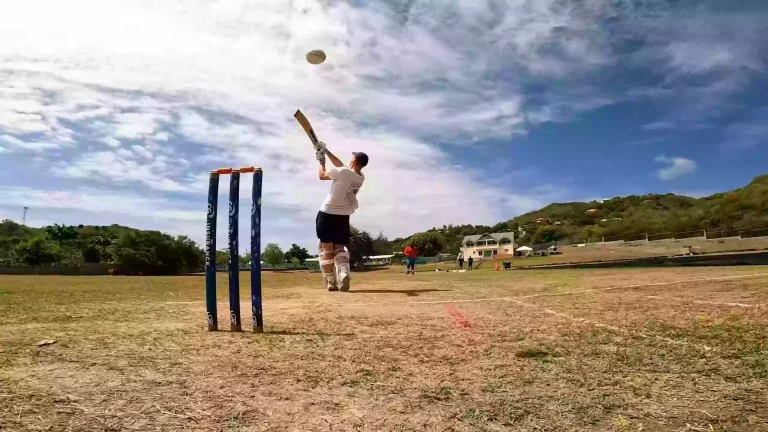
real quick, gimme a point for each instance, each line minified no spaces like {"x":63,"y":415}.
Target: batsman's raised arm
{"x":321,"y":173}
{"x":334,"y":160}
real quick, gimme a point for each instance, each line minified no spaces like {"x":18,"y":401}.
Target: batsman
{"x":332,"y":222}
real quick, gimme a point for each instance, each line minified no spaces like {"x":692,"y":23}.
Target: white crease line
{"x":559,"y":293}
{"x":612,"y":328}
{"x":745,"y":305}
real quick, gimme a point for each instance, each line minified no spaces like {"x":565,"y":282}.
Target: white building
{"x":488,"y":245}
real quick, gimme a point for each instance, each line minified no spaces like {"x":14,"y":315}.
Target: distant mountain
{"x":744,"y":208}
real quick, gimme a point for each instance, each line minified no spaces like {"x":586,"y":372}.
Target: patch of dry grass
{"x":534,"y":350}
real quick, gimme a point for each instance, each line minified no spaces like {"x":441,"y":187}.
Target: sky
{"x":470,"y":111}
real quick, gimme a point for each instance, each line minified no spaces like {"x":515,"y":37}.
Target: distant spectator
{"x":461,"y":262}
{"x":469,"y":263}
{"x":411,"y":253}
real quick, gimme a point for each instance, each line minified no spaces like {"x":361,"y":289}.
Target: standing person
{"x":469,"y":262}
{"x":411,"y":253}
{"x":332,"y":222}
{"x":461,"y":262}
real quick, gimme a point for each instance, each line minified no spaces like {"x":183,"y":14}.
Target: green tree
{"x":382,"y":246}
{"x":61,"y":233}
{"x":548,"y":233}
{"x":273,"y":255}
{"x":222,"y":258}
{"x":91,"y":254}
{"x":37,"y":251}
{"x":360,"y":246}
{"x":9,"y":228}
{"x":298,"y":252}
{"x":428,"y":243}
{"x":96,"y":246}
{"x":8,"y":246}
{"x":153,"y":252}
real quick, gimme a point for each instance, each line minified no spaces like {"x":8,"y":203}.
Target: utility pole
{"x":24,"y":217}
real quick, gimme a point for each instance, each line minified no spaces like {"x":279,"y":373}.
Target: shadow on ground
{"x":409,"y":293}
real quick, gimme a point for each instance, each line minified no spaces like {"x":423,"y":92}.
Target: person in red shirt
{"x":411,"y":253}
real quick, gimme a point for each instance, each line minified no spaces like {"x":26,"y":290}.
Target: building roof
{"x":496,"y":236}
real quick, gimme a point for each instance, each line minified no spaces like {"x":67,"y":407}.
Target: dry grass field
{"x":624,"y":350}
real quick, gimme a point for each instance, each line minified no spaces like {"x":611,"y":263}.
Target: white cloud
{"x":92,"y":200}
{"x":749,"y":133}
{"x":123,"y":167}
{"x":746,"y":135}
{"x":111,"y":141}
{"x":676,"y":167}
{"x":138,"y":125}
{"x":142,"y":151}
{"x":378,"y":67}
{"x":34,"y":146}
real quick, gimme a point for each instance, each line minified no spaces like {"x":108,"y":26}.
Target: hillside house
{"x":488,"y":245}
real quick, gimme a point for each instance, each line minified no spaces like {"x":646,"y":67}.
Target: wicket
{"x":233,"y":263}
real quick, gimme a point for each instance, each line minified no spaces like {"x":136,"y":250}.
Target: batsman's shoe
{"x":344,"y":280}
{"x":330,"y":283}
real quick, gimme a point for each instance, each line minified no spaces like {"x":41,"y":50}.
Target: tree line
{"x":153,"y":252}
{"x":129,"y":250}
{"x":362,"y":244}
{"x":133,"y":251}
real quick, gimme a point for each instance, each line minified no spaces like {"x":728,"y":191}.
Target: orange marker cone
{"x":496,"y":267}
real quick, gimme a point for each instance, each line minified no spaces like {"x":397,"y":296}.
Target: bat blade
{"x":307,"y":127}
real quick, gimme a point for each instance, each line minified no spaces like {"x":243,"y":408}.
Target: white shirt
{"x":342,"y":199}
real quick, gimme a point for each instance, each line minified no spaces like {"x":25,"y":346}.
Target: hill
{"x":741,"y":209}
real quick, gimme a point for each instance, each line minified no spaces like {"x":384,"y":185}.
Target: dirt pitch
{"x":625,"y":350}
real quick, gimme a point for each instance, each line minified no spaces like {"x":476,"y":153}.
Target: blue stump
{"x":210,"y":252}
{"x":233,"y":262}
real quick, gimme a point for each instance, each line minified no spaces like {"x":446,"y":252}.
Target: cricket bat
{"x":307,"y":128}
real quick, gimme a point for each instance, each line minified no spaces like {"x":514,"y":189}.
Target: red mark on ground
{"x":458,"y":317}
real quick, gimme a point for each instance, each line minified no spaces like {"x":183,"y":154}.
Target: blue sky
{"x":471,"y":112}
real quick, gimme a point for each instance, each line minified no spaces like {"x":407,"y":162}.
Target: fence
{"x":285,"y":266}
{"x":754,"y":233}
{"x":686,"y":235}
